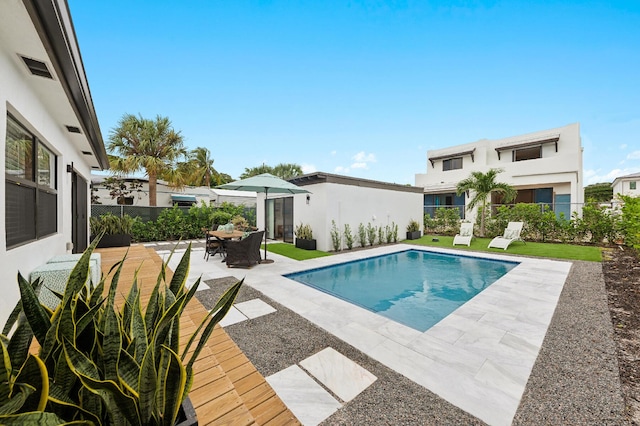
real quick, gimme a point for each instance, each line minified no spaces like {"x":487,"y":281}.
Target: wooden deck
{"x":227,"y":388}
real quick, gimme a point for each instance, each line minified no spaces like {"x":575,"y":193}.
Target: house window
{"x":632,"y":185}
{"x":452,"y":164}
{"x":30,"y":181}
{"x":530,"y":153}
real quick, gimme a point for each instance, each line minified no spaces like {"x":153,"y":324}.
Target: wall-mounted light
{"x":308,"y":198}
{"x":70,"y":168}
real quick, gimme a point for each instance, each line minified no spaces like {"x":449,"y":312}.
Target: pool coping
{"x":478,"y":358}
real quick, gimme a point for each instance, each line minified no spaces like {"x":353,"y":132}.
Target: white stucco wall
{"x":623,"y":187}
{"x":17,"y":97}
{"x":348,"y":204}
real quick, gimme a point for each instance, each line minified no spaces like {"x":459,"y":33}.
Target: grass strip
{"x":291,"y":251}
{"x":550,"y":250}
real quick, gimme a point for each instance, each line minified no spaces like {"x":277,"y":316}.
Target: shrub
{"x":362,"y":235}
{"x":110,"y":224}
{"x":335,"y":236}
{"x":371,"y":234}
{"x":394,"y":232}
{"x":304,"y":232}
{"x":240,"y":223}
{"x":348,"y":236}
{"x":630,"y":223}
{"x":413,"y":226}
{"x":381,"y":235}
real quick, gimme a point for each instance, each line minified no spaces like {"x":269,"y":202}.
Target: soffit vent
{"x":87,"y":152}
{"x":36,"y":67}
{"x":73,"y":129}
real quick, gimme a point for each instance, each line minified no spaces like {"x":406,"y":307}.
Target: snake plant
{"x":97,"y":363}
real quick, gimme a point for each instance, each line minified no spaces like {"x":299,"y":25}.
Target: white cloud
{"x":341,"y":170}
{"x":363,"y":157}
{"x":623,"y":146}
{"x":359,"y":166}
{"x":635,"y":155}
{"x":596,"y":176}
{"x":308,"y":168}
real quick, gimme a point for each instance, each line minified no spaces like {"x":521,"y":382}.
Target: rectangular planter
{"x":114,"y":240}
{"x":305,"y":244}
{"x":414,"y":235}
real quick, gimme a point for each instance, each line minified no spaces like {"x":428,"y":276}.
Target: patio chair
{"x":245,"y":252}
{"x":465,"y":235}
{"x":213,"y":245}
{"x":511,"y":234}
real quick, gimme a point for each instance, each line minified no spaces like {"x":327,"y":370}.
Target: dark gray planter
{"x":305,"y":244}
{"x":413,"y":235}
{"x":114,"y":240}
{"x":187,"y":414}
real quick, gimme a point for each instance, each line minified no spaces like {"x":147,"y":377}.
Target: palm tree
{"x":282,"y":170}
{"x":149,"y":145}
{"x":202,"y":171}
{"x":482,"y":185}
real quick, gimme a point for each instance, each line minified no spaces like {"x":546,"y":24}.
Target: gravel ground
{"x":575,"y":380}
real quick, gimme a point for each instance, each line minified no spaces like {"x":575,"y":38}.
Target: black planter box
{"x":305,"y":244}
{"x":114,"y":240}
{"x":186,"y":414}
{"x":413,"y":235}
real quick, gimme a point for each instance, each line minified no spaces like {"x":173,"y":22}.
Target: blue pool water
{"x":413,"y":287}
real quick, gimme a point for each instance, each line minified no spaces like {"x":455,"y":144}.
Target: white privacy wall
{"x":349,"y":204}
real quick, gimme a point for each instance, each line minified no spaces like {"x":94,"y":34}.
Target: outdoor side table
{"x":95,"y":264}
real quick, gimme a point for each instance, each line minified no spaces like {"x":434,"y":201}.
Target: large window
{"x":452,"y":164}
{"x":30,"y":180}
{"x":530,"y":153}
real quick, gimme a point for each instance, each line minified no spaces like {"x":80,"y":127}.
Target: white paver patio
{"x":478,"y":358}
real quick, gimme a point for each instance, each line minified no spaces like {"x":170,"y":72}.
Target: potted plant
{"x":413,"y":230}
{"x":97,"y":363}
{"x":304,"y":237}
{"x":115,"y":230}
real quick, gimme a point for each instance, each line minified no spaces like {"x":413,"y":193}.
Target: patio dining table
{"x":225,"y":236}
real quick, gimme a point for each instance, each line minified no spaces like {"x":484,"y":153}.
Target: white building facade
{"x":628,"y":185}
{"x":343,"y":199}
{"x":545,"y":167}
{"x":51,"y":140}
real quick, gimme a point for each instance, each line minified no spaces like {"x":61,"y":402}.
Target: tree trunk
{"x":482,"y":218}
{"x":153,"y":179}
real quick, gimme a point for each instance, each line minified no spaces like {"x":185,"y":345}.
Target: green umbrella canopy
{"x":266,"y":183}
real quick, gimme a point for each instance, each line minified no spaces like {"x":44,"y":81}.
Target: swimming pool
{"x":413,"y":287}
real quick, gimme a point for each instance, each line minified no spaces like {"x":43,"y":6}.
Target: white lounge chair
{"x":511,"y":234}
{"x":465,"y":235}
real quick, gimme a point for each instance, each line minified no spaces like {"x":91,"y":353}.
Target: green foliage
{"x":371,"y":234}
{"x":394,"y":232}
{"x":381,"y":235}
{"x":598,"y":192}
{"x":282,"y":170}
{"x":336,"y":238}
{"x":304,"y":232}
{"x":348,"y":236}
{"x":292,"y":252}
{"x":240,"y":223}
{"x":445,"y":222}
{"x":362,"y":235}
{"x":388,"y":233}
{"x":413,"y":226}
{"x":631,"y":220}
{"x":97,"y":363}
{"x":110,"y":224}
{"x":597,"y":224}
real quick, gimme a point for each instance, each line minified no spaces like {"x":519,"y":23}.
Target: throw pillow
{"x":510,"y":234}
{"x":466,"y":232}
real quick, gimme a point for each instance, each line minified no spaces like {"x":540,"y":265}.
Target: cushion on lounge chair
{"x":466,"y":232}
{"x":510,"y":234}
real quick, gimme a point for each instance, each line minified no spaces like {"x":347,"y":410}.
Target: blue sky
{"x":365,"y":88}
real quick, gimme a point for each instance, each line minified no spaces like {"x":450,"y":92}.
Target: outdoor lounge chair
{"x":511,"y":234}
{"x":245,"y":252}
{"x":465,"y":235}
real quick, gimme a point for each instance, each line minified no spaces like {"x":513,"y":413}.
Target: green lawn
{"x":292,"y":252}
{"x":550,"y":250}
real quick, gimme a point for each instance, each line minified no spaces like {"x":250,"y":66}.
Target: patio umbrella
{"x":269,"y":184}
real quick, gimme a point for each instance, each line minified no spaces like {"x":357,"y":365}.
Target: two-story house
{"x":627,"y":185}
{"x":545,"y":167}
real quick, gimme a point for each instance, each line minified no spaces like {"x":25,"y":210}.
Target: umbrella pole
{"x":266,"y":195}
